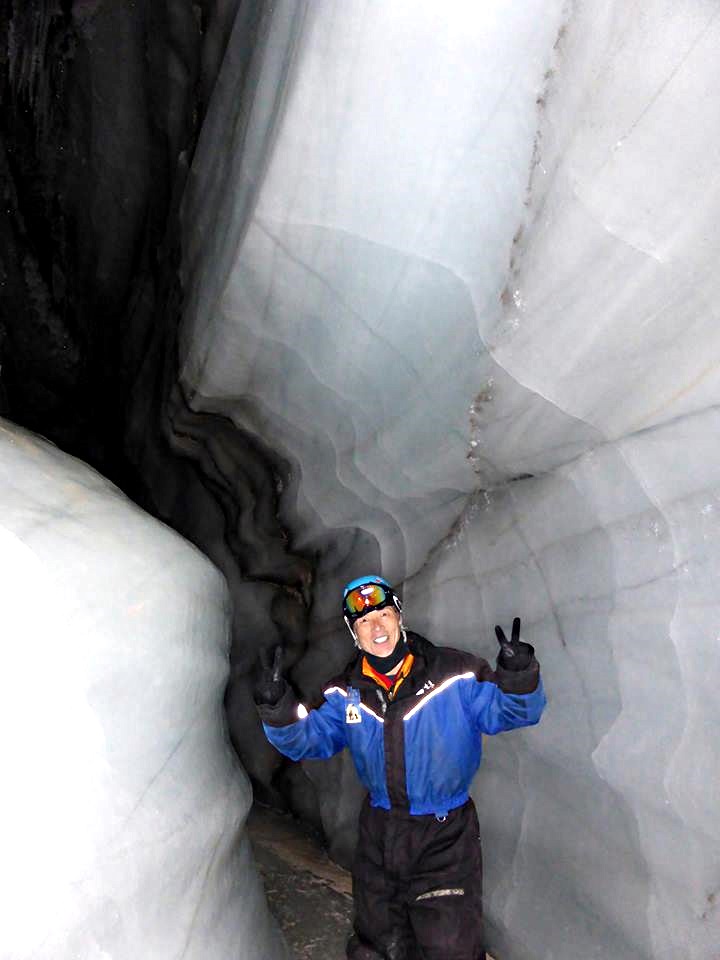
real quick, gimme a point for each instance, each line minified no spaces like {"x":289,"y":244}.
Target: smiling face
{"x":378,"y":631}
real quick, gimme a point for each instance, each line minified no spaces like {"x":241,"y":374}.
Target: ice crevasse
{"x":456,"y":264}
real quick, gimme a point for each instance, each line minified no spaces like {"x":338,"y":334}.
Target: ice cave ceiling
{"x":338,"y":285}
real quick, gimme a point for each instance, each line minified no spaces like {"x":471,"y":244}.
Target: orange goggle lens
{"x":367,"y":596}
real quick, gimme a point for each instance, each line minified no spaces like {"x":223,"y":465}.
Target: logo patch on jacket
{"x":352,"y":713}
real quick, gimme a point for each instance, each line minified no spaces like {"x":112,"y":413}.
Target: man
{"x":412,"y":715}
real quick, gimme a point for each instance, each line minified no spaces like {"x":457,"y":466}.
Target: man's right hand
{"x":270,"y":685}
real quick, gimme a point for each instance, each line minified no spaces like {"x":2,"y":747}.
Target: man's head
{"x":373,"y":614}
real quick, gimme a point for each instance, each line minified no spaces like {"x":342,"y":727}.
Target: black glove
{"x":514,"y":654}
{"x":270,"y":686}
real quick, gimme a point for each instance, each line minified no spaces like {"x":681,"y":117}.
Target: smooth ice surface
{"x":456,"y":264}
{"x":123,"y":805}
{"x":342,"y":247}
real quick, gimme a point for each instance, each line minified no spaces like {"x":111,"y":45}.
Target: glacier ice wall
{"x":456,"y":266}
{"x":123,"y":804}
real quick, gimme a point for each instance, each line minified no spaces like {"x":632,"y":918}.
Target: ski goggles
{"x":367,"y":596}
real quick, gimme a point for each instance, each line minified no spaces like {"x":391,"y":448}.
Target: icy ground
{"x":309,"y":895}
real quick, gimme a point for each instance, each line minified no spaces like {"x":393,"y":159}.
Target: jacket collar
{"x":421,"y":649}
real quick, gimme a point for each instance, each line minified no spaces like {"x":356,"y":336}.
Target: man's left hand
{"x":514,"y":653}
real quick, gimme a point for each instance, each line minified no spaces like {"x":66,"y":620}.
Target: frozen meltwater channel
{"x":123,"y":805}
{"x":457,"y":264}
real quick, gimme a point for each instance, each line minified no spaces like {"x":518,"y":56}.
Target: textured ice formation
{"x":456,"y":264}
{"x":600,"y":827}
{"x":123,"y":805}
{"x":347,"y":229}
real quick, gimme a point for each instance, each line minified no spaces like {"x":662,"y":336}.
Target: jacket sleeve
{"x":303,"y":735}
{"x":502,"y":700}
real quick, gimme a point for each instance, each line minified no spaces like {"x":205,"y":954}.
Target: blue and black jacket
{"x":420,"y":750}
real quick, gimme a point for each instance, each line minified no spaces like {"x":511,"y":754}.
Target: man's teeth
{"x":380,"y":639}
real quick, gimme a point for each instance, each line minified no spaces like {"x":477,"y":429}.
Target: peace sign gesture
{"x":514,"y":654}
{"x":270,"y":685}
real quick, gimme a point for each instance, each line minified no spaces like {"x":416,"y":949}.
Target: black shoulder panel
{"x":444,"y":662}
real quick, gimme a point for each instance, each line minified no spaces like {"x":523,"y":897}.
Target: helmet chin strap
{"x":352,"y":632}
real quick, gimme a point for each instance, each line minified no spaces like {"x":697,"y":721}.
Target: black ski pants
{"x":417,"y":886}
